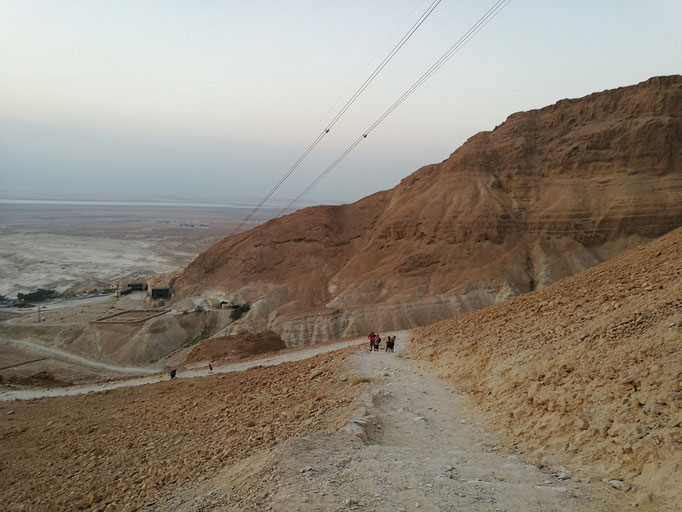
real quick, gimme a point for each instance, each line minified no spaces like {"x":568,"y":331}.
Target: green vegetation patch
{"x":41,"y":294}
{"x":238,"y":310}
{"x":204,"y":335}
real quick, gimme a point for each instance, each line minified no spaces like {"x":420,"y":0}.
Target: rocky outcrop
{"x":546,"y":194}
{"x":234,"y":348}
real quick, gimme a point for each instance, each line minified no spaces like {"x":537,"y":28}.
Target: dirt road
{"x":28,"y":394}
{"x":133,"y":370}
{"x":415,"y":446}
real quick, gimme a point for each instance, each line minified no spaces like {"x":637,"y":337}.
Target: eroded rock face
{"x":546,"y":194}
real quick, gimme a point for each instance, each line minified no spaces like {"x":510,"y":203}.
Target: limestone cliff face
{"x":546,"y":194}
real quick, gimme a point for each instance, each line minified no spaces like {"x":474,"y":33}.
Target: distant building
{"x":132,"y":285}
{"x":159,"y":287}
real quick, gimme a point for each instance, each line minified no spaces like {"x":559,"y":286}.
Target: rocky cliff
{"x":546,"y":194}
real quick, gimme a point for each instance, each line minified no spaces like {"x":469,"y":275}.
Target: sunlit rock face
{"x":546,"y":194}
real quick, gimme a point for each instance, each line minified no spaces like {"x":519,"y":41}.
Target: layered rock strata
{"x":546,"y":194}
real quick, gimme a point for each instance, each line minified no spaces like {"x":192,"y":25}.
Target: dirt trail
{"x":194,"y":371}
{"x":134,"y":370}
{"x":415,"y":447}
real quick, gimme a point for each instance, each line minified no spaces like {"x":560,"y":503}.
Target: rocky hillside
{"x":125,"y":449}
{"x":547,"y":194}
{"x":234,"y":348}
{"x":585,"y":373}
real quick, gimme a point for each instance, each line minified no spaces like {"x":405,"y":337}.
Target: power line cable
{"x":343,"y":110}
{"x":336,"y":103}
{"x":468,"y":35}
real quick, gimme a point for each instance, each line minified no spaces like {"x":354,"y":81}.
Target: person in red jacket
{"x":371,"y":337}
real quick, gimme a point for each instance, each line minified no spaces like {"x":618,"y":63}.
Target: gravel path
{"x":418,"y":449}
{"x":29,"y":394}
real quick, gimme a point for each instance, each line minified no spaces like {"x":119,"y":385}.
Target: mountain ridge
{"x":546,"y":194}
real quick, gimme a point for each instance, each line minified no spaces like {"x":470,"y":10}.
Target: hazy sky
{"x":208,"y":98}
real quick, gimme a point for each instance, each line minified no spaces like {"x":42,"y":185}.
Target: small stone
{"x":581,"y":423}
{"x":350,"y":502}
{"x":643,"y":498}
{"x":620,"y":485}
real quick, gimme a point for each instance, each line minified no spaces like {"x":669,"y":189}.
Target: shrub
{"x":39,"y":295}
{"x":238,"y":311}
{"x":204,"y":335}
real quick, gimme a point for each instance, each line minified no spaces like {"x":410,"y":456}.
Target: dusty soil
{"x":125,"y":448}
{"x":232,"y":348}
{"x":189,"y":371}
{"x":66,"y":332}
{"x":43,"y":378}
{"x":77,"y":247}
{"x":19,"y":362}
{"x":411,"y":444}
{"x":8,"y":315}
{"x":78,"y":310}
{"x":586,"y":373}
{"x":276,"y":438}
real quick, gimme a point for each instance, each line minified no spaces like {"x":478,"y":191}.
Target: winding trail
{"x":134,"y":370}
{"x":29,"y":394}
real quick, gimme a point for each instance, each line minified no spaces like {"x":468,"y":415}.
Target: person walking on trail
{"x":172,"y":373}
{"x":210,"y":367}
{"x":390,"y":344}
{"x":371,"y":337}
{"x":377,"y":342}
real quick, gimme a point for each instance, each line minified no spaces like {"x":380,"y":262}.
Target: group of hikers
{"x":375,"y":341}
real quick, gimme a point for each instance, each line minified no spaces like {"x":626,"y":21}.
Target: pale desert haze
{"x":219,"y":219}
{"x":560,"y":389}
{"x":75,"y":246}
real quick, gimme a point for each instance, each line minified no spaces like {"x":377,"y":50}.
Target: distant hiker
{"x":390,"y":344}
{"x":210,"y":367}
{"x":371,"y":337}
{"x":172,"y":373}
{"x":377,"y":342}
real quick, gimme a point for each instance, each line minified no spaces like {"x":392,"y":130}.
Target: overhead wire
{"x":468,"y":35}
{"x":336,"y":103}
{"x":343,"y":110}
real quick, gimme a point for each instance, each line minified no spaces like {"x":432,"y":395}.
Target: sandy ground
{"x":193,"y":371}
{"x":67,"y":262}
{"x":77,"y":310}
{"x":23,"y":356}
{"x":276,"y":438}
{"x":586,"y":373}
{"x":123,"y":449}
{"x":42,"y":349}
{"x":81,"y":247}
{"x":412,"y":444}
